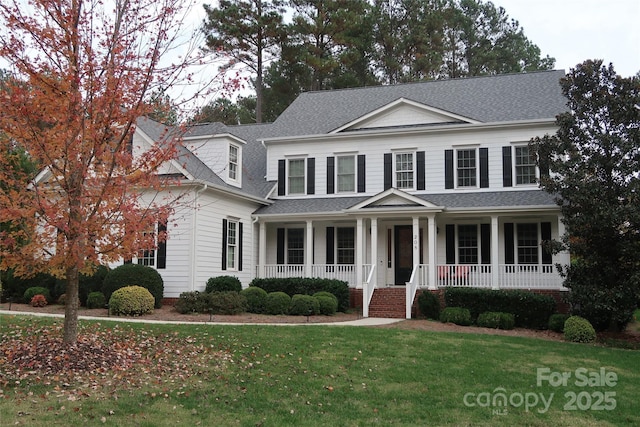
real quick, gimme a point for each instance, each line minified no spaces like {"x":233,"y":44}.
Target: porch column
{"x":359,"y":253}
{"x":262,"y":249}
{"x":433,"y":268}
{"x":374,"y":251}
{"x":416,"y":241}
{"x":308,"y":261}
{"x":495,"y":253}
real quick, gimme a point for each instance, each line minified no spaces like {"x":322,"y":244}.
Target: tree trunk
{"x":71,"y":306}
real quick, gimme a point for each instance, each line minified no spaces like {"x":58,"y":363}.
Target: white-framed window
{"x":346,"y":174}
{"x":295,"y":246}
{"x":155,"y":257}
{"x":528,"y":244}
{"x":466,"y":167}
{"x":296,"y":176}
{"x":346,"y":245}
{"x":234,"y":159}
{"x":468,"y":244}
{"x":404,"y":170}
{"x":525,"y":165}
{"x":232,"y":245}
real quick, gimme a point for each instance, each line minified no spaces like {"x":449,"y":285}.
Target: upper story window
{"x":234,"y":157}
{"x":466,"y":168}
{"x":404,"y":170}
{"x":296,"y":177}
{"x":525,"y":166}
{"x":346,"y":173}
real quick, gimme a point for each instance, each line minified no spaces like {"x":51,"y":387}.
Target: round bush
{"x":134,"y":274}
{"x":458,"y":315}
{"x":192,"y":302}
{"x":96,"y":300}
{"x":429,"y":305}
{"x":328,"y":306}
{"x":38,"y":300}
{"x":326,"y":294}
{"x":277,"y":303}
{"x":256,"y":299}
{"x":229,"y":302}
{"x":131,"y":301}
{"x":36,"y":290}
{"x":556,"y":322}
{"x":304,"y":305}
{"x":223,"y":284}
{"x":579,"y":329}
{"x":496,"y":320}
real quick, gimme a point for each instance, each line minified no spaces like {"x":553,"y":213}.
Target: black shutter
{"x":330,"y":245}
{"x":362,"y":173}
{"x":162,"y":247}
{"x":311,"y":176}
{"x":507,"y":180}
{"x":282,"y":177}
{"x":280,"y":247}
{"x":388,"y":170}
{"x":509,"y":253}
{"x":485,"y":243}
{"x":224,"y":244}
{"x":450,"y":235}
{"x":420,"y":170}
{"x":484,"y":168}
{"x":331,"y":174}
{"x":239,"y":246}
{"x":448,"y":169}
{"x":545,"y":234}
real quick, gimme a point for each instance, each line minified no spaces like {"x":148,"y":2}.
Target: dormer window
{"x":234,"y":158}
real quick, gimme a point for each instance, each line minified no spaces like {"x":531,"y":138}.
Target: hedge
{"x":223,"y":284}
{"x":457,"y":315}
{"x":306,"y":286}
{"x":530,"y":310}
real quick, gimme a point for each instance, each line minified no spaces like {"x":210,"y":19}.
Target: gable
{"x":393,"y":198}
{"x":403,"y":113}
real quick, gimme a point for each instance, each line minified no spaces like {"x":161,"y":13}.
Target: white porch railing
{"x":280,"y":271}
{"x":419,"y":278}
{"x":345,"y":272}
{"x":367,"y":291}
{"x":509,"y":276}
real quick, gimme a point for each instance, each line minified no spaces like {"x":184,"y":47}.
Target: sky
{"x":572,"y":31}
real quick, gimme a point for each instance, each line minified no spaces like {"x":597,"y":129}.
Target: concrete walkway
{"x":368,"y":321}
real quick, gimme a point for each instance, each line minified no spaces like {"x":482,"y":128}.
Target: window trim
{"x":304,"y":175}
{"x":354,"y":183}
{"x":288,"y":247}
{"x":477,"y":246}
{"x":515,"y":166}
{"x":413,"y":169}
{"x":537,"y":246}
{"x":232,"y":255}
{"x":338,"y":248}
{"x":237,"y":163}
{"x":456,"y":168}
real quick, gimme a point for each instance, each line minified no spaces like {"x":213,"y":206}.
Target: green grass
{"x":324,"y":375}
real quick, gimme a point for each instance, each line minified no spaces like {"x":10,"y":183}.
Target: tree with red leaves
{"x":81,"y":74}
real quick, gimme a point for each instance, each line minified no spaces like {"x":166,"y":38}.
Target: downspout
{"x":194,"y":236}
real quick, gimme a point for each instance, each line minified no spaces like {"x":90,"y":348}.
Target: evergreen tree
{"x":594,"y":159}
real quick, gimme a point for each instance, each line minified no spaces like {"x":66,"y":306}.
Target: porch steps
{"x":388,"y":302}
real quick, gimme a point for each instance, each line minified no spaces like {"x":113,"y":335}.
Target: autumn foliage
{"x":80,"y":74}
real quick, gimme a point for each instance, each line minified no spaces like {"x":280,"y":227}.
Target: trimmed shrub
{"x":38,"y":301}
{"x":458,"y":315}
{"x":96,"y":300}
{"x":556,"y":322}
{"x":304,"y":305}
{"x":192,"y":302}
{"x":86,"y":285}
{"x":429,"y":305}
{"x":530,"y":310}
{"x":328,"y":303}
{"x":306,"y":286}
{"x":223,"y":284}
{"x":277,"y":303}
{"x":496,"y":320}
{"x":256,"y":299}
{"x":36,"y":290}
{"x":579,"y":329}
{"x":229,"y":302}
{"x":134,"y":274}
{"x":131,"y":301}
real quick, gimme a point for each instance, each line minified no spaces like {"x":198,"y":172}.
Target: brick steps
{"x":388,"y":302}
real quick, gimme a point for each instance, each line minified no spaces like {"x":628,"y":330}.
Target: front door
{"x":403,"y":253}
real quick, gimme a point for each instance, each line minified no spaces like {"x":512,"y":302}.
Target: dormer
{"x":403,"y":113}
{"x":222,"y":153}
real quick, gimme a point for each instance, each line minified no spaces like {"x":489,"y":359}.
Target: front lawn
{"x":157,"y":375}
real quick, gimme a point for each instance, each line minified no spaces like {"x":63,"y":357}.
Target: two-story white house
{"x":421,"y":185}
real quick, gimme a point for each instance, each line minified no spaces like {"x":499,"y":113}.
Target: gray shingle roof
{"x":450,"y":201}
{"x":500,"y":98}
